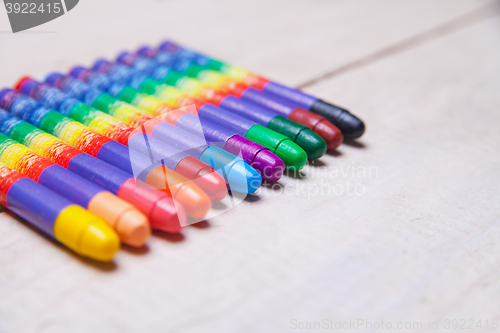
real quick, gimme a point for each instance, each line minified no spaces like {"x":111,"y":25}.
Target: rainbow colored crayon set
{"x":104,"y":154}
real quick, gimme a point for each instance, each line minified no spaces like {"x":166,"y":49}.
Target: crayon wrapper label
{"x":8,"y":177}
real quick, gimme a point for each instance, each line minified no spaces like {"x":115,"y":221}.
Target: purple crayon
{"x":259,"y":157}
{"x":269,"y":165}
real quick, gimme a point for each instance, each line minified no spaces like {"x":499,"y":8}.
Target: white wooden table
{"x":412,"y":239}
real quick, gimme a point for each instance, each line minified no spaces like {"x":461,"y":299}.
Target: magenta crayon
{"x":240,"y":176}
{"x":268,"y":164}
{"x":56,"y":216}
{"x":313,"y":144}
{"x":351,"y":126}
{"x":191,"y":168}
{"x":292,"y":155}
{"x":157,"y":206}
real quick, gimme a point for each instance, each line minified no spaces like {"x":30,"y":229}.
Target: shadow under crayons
{"x":201,"y":225}
{"x":218,"y":205}
{"x":173,"y":238}
{"x":316,"y":163}
{"x":334,"y":153}
{"x":295,"y":174}
{"x":275,"y":186}
{"x":252,"y":198}
{"x":354,"y":143}
{"x":137,"y":251}
{"x":102,"y":266}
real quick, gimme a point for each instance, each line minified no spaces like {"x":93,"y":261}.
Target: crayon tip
{"x":193,"y":199}
{"x":295,"y":158}
{"x":239,"y":175}
{"x":195,"y":202}
{"x":270,"y":166}
{"x":330,"y":133}
{"x":130,"y":224}
{"x":133,"y":228}
{"x":290,"y":152}
{"x":98,"y":243}
{"x":162,"y":211}
{"x":204,"y":176}
{"x":319,"y":125}
{"x":212,"y":183}
{"x":312,"y":143}
{"x":351,"y":126}
{"x":168,"y":215}
{"x":86,"y":233}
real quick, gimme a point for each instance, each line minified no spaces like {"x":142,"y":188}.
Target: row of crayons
{"x":104,"y":154}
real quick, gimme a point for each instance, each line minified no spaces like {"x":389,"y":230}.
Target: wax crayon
{"x":259,"y":157}
{"x":232,"y":166}
{"x":312,"y":143}
{"x":307,"y":140}
{"x":287,"y":150}
{"x":71,"y":225}
{"x":240,"y":176}
{"x":268,"y":164}
{"x":117,"y":73}
{"x":351,"y":126}
{"x":193,"y":200}
{"x":162,"y":212}
{"x":74,"y":188}
{"x":293,"y":156}
{"x":318,"y":124}
{"x":130,"y":224}
{"x":53,"y":176}
{"x":247,"y":104}
{"x":202,"y":174}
